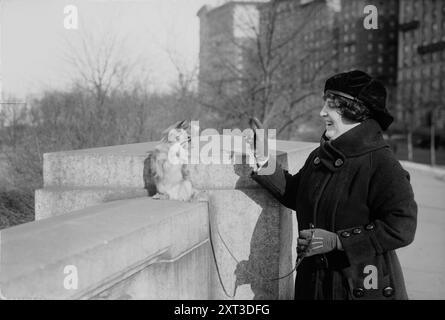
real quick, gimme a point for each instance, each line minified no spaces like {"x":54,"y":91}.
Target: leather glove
{"x":317,"y":241}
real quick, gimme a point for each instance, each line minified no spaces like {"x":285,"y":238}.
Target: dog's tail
{"x":150,"y":174}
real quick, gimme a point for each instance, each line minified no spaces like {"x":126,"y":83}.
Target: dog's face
{"x":177,"y":133}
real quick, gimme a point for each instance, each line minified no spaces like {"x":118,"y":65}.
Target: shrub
{"x":16,"y":207}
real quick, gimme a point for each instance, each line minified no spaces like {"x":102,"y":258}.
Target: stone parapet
{"x":252,"y":234}
{"x":128,"y":249}
{"x":54,"y":201}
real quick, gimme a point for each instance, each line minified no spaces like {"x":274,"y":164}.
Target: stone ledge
{"x":123,"y":166}
{"x":54,"y":201}
{"x":102,"y":242}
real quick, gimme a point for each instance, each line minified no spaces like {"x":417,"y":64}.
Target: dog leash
{"x":299,"y":259}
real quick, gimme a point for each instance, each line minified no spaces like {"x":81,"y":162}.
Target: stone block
{"x":108,"y":244}
{"x":123,"y":166}
{"x":54,"y":201}
{"x":252,"y":236}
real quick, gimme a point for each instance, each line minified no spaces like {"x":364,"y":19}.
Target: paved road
{"x":423,"y":261}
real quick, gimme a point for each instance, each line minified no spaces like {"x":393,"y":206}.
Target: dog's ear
{"x":164,"y":134}
{"x":184,"y":124}
{"x":180,"y":124}
{"x":177,"y":125}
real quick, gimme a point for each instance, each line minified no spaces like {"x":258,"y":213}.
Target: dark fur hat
{"x":359,"y":86}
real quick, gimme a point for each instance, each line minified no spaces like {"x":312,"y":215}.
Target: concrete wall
{"x":252,"y":234}
{"x":128,"y":249}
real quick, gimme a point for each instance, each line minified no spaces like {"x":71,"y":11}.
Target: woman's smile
{"x":335,"y":124}
{"x":332,"y":120}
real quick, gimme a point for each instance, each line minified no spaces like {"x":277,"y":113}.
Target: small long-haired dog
{"x":168,"y":164}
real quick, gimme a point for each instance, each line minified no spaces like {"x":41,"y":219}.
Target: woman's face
{"x":335,"y":124}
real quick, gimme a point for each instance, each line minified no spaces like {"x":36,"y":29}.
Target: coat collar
{"x":360,"y":140}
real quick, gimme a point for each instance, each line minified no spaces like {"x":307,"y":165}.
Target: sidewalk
{"x":423,"y":261}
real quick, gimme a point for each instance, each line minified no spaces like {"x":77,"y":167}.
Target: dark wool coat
{"x":355,"y":187}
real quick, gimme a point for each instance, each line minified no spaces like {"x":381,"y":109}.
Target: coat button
{"x":345,"y":234}
{"x":316,"y":160}
{"x":338,"y":163}
{"x":358,"y":292}
{"x":357,"y":231}
{"x":370,"y":227}
{"x":388,"y":292}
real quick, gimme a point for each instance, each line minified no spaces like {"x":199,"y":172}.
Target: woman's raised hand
{"x":260,"y":141}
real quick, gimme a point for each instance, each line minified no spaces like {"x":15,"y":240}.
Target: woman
{"x":354,"y":202}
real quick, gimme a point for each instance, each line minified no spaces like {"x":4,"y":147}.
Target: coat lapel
{"x":360,"y":140}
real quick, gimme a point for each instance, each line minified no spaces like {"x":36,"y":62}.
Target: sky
{"x":35,"y":41}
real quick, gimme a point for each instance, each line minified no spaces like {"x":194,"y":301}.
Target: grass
{"x":16,"y":207}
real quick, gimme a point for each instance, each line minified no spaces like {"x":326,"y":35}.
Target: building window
{"x":405,"y":62}
{"x":417,"y":74}
{"x":369,"y":46}
{"x":416,"y":10}
{"x":436,"y":72}
{"x":408,"y":11}
{"x":392,"y":10}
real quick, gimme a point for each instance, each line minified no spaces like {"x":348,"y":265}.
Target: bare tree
{"x":276,"y":77}
{"x":13,"y":118}
{"x":101,"y":62}
{"x":434,"y":107}
{"x":414,"y":107}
